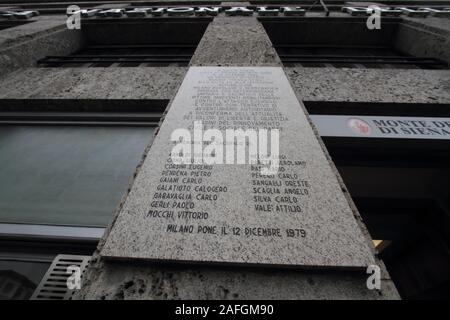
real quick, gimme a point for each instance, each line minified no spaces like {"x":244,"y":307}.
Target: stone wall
{"x":227,"y":41}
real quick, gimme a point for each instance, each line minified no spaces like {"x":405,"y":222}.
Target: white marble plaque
{"x":233,"y":213}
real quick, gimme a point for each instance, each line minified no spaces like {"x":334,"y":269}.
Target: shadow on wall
{"x":347,"y":42}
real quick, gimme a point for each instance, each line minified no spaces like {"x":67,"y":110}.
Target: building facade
{"x":81,"y":105}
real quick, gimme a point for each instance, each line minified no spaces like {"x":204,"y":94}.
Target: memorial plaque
{"x":294,"y":214}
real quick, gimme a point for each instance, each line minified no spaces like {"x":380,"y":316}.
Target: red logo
{"x":359,"y":126}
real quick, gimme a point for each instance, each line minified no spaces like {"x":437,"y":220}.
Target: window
{"x":341,"y":43}
{"x":18,"y":279}
{"x":71,"y":168}
{"x":66,"y":175}
{"x":134,"y":42}
{"x":63,"y":174}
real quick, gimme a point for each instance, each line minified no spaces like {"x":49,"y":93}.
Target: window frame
{"x":116,"y":118}
{"x":105,"y":118}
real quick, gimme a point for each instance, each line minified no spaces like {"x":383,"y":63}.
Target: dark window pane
{"x":66,"y":175}
{"x":18,"y":280}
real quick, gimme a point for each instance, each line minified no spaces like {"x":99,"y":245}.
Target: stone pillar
{"x":235,"y":41}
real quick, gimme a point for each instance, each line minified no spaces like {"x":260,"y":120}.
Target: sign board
{"x":140,"y":12}
{"x":382,"y":127}
{"x":131,"y":12}
{"x":294,"y":214}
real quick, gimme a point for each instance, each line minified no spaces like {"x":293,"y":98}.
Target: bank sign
{"x":230,"y":11}
{"x":382,"y":127}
